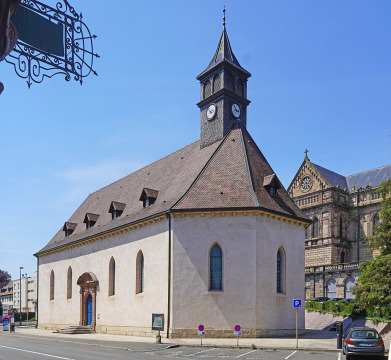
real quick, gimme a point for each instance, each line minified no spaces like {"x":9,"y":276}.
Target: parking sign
{"x":297,"y":303}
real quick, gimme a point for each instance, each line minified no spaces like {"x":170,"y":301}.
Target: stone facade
{"x":343,"y":214}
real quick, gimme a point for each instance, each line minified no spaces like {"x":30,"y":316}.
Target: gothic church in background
{"x":344,"y":210}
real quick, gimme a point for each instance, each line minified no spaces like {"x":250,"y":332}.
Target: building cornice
{"x":174,"y":214}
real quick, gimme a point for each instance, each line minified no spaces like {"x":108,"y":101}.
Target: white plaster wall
{"x":275,"y":310}
{"x":125,"y":308}
{"x":249,"y":295}
{"x":193,"y":304}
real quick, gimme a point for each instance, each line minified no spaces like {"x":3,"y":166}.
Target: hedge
{"x":349,"y":309}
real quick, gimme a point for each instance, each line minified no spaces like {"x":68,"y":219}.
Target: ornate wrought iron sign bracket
{"x":51,"y":41}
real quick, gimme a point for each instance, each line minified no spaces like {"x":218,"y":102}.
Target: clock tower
{"x":223,"y":93}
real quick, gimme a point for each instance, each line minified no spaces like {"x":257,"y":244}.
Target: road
{"x":25,"y":347}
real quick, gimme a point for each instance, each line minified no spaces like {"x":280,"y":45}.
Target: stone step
{"x":75,"y":329}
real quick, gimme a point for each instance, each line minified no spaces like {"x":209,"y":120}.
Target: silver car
{"x":363,"y":341}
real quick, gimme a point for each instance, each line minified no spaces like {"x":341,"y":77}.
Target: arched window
{"x":216,"y":83}
{"x":307,"y":232}
{"x":315,"y":228}
{"x":230,"y":82}
{"x":331,"y":289}
{"x":140,"y":273}
{"x":342,"y":259}
{"x":216,"y":268}
{"x":349,"y":285}
{"x":52,"y":285}
{"x":69,"y":283}
{"x":280,"y":270}
{"x":239,"y":87}
{"x":207,"y":89}
{"x":112,"y":277}
{"x":375,"y":221}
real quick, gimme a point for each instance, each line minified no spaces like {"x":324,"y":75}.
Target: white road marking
{"x":290,"y":355}
{"x":37,"y":353}
{"x":339,"y":356}
{"x":246,"y":353}
{"x":199,"y":352}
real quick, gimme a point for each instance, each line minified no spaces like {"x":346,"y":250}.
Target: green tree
{"x":5,"y":278}
{"x":374,"y":283}
{"x":381,"y":241}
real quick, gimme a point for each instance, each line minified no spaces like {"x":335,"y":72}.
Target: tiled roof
{"x":369,"y":178}
{"x":227,"y":174}
{"x":334,"y":178}
{"x":7,"y":289}
{"x":360,"y":180}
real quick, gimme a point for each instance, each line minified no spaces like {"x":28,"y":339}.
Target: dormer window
{"x":69,"y":228}
{"x":148,"y":197}
{"x":271,"y":184}
{"x":90,"y":220}
{"x":116,"y":209}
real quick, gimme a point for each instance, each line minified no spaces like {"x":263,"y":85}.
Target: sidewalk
{"x":313,"y":340}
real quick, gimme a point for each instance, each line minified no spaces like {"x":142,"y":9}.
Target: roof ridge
{"x":249,"y":173}
{"x":204,"y":167}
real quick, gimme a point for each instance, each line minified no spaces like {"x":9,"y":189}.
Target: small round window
{"x":306,"y":183}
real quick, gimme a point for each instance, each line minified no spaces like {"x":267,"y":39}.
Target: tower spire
{"x":224,"y":17}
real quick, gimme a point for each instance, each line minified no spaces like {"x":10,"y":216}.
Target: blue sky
{"x":321,"y":80}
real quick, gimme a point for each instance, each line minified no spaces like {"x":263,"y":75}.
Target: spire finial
{"x":224,"y":17}
{"x":306,"y":153}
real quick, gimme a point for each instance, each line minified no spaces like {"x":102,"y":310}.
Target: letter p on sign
{"x":297,"y":303}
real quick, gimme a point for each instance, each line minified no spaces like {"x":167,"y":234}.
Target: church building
{"x":206,"y":235}
{"x":344,"y":210}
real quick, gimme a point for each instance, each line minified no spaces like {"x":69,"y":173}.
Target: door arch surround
{"x":88,"y":283}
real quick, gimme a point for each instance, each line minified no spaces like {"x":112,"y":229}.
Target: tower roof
{"x":224,"y":54}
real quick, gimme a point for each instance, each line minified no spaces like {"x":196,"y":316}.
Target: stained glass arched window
{"x":216,"y":268}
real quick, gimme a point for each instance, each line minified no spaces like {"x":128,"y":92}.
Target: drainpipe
{"x":169,"y":276}
{"x":36,"y":306}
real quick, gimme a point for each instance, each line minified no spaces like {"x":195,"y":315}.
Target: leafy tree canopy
{"x":5,"y":278}
{"x":381,"y":241}
{"x":374,"y":283}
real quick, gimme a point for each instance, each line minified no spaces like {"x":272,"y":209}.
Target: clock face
{"x":236,"y":110}
{"x":306,"y":183}
{"x":211,"y":112}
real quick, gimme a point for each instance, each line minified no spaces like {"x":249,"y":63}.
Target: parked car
{"x":321,"y":298}
{"x":336,"y":299}
{"x":362,"y":341}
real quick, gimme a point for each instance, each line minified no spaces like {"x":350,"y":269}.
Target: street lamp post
{"x":20,"y":295}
